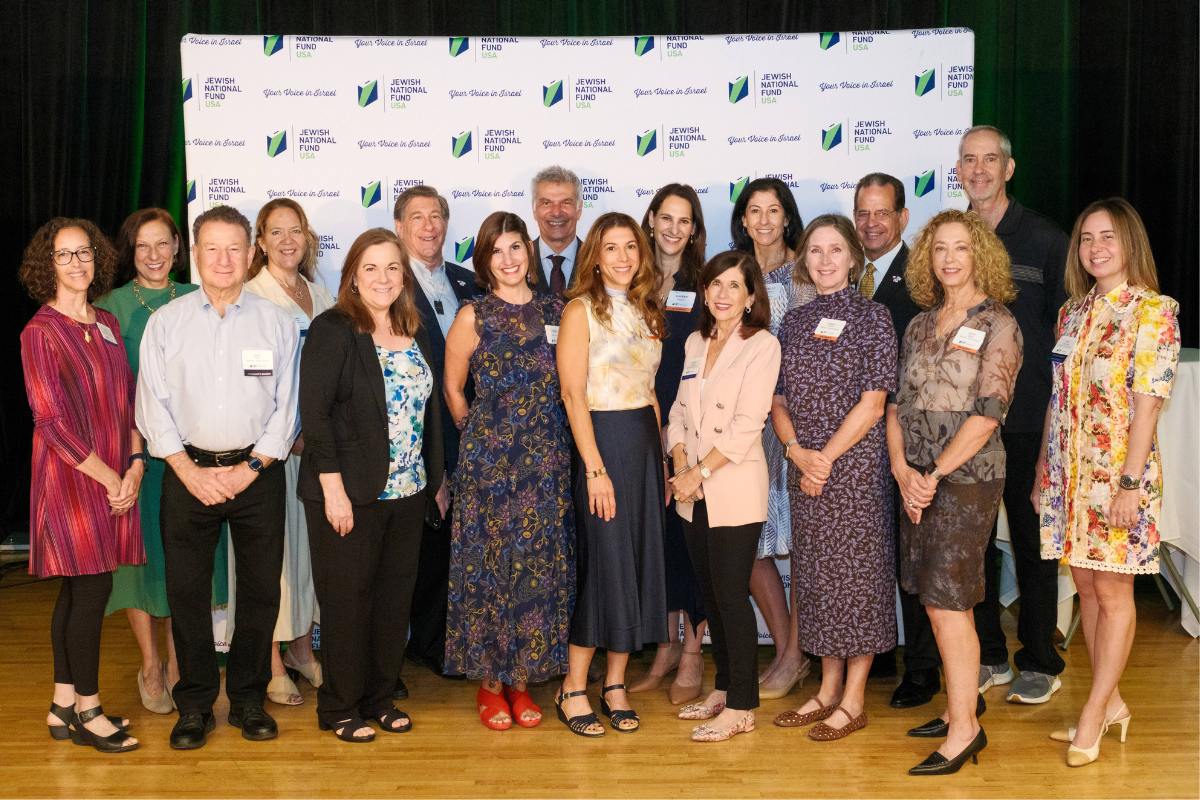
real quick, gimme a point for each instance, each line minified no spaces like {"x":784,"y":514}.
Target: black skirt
{"x":621,"y":602}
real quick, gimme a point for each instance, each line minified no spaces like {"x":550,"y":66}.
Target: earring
{"x":354,"y":286}
{"x":747,"y":311}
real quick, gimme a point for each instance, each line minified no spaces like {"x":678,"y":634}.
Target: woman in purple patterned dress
{"x":839,"y":363}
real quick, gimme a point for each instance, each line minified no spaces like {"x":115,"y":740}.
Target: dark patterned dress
{"x":512,"y":559}
{"x":843,"y":541}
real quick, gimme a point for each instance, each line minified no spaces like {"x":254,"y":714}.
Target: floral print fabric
{"x":407,"y":384}
{"x":1126,"y":341}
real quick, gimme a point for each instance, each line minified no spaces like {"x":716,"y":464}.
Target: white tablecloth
{"x":1179,"y":441}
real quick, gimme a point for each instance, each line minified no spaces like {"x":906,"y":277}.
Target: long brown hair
{"x":405,"y":321}
{"x":307,"y":264}
{"x":759,"y":317}
{"x":691,"y":260}
{"x":127,"y":242}
{"x":1132,"y":238}
{"x":494,"y":226}
{"x":643,"y":289}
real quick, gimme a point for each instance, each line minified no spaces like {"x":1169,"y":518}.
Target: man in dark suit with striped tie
{"x":557,"y":206}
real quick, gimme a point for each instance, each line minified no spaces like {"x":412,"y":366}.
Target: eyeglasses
{"x":879,"y":215}
{"x":84,"y":254}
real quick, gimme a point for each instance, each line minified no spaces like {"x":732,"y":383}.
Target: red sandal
{"x":490,"y":704}
{"x":522,"y":701}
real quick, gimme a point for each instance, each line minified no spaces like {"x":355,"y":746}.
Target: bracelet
{"x":141,"y":456}
{"x":788,"y":444}
{"x":595,"y":473}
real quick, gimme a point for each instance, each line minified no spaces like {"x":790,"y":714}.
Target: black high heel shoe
{"x":615,"y":718}
{"x":66,"y":714}
{"x":113,"y":743}
{"x":937,"y":728}
{"x":938,"y":764}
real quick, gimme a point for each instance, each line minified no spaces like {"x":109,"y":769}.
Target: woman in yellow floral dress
{"x":1099,"y":490}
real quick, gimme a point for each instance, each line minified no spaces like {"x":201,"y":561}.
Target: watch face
{"x":255,"y":464}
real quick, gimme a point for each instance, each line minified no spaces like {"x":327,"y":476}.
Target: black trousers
{"x":75,"y":630}
{"x":190,"y":531}
{"x":1037,"y":579}
{"x":364,"y":582}
{"x":723,"y":558}
{"x":427,"y":638}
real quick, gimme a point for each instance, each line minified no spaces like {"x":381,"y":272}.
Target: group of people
{"x":588,"y":444}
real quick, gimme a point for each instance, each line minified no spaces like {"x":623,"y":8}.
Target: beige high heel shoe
{"x":774,"y":691}
{"x":680,"y":692}
{"x":1122,"y":718}
{"x":159,"y":705}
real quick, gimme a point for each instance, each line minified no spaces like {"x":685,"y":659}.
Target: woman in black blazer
{"x":372,"y":463}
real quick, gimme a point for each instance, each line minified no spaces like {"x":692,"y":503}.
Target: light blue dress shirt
{"x":436,"y":286}
{"x":219,"y":383}
{"x":568,"y":259}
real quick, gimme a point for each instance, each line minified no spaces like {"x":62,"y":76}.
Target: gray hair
{"x":555,"y":174}
{"x":1005,"y":142}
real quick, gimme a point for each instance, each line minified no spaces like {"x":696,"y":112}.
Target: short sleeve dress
{"x":1126,"y":343}
{"x":940,"y":385}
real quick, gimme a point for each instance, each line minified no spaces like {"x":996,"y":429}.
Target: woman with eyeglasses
{"x":87,"y":463}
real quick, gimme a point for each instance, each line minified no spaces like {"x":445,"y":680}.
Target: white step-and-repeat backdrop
{"x":344,"y":124}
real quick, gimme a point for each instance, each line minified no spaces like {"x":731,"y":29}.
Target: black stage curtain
{"x":1100,"y":98}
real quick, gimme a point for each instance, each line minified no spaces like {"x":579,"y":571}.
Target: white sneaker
{"x":994,"y":675}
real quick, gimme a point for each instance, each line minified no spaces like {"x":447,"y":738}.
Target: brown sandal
{"x":795,"y":719}
{"x":825,"y":733}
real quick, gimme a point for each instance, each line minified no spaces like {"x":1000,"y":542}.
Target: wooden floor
{"x":449,"y":754}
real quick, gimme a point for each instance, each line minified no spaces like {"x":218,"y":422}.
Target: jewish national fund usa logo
{"x":370,"y":194}
{"x":277,"y":143}
{"x":464,"y":248}
{"x":191,"y":190}
{"x":460,"y":144}
{"x":647,"y":142}
{"x":925,"y":183}
{"x":828,"y":39}
{"x":736,"y":187}
{"x":925,"y":82}
{"x":368,"y":93}
{"x":642,"y":45}
{"x":831,"y":136}
{"x":459,"y":45}
{"x":739,"y":89}
{"x":272,"y":45}
{"x":186,"y":89}
{"x":552,"y":93}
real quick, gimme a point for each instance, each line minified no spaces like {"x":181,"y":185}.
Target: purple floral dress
{"x":512,"y":559}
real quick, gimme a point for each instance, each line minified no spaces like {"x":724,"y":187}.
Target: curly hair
{"x":992,"y":272}
{"x":307,"y":264}
{"x":127,"y":242}
{"x":643,"y":290}
{"x":37,"y":273}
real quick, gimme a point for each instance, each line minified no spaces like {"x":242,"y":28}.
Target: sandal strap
{"x":844,"y":711}
{"x":66,"y":714}
{"x":622,"y":714}
{"x":613,"y":688}
{"x":344,"y":729}
{"x":568,"y":695}
{"x":583,"y":722}
{"x":85,"y":717}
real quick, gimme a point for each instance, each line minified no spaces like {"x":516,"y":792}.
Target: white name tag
{"x":106,"y":332}
{"x":829,"y":329}
{"x":1064,"y":347}
{"x":681,"y":301}
{"x":691,"y":367}
{"x":257,"y":363}
{"x":969,"y":339}
{"x":552,"y":334}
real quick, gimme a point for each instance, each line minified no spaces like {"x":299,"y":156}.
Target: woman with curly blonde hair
{"x":609,"y":347}
{"x":959,"y":364}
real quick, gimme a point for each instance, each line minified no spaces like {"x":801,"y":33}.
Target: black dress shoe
{"x":938,"y":764}
{"x":401,"y":690}
{"x":937,"y":727}
{"x":192,"y":730}
{"x":917,"y":688}
{"x":256,"y":724}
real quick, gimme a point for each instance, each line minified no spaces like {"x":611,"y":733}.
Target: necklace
{"x":297,"y":292}
{"x":87,"y":336}
{"x":137,"y":292}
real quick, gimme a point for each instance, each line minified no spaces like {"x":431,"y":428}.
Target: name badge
{"x":106,"y":332}
{"x":681,"y":301}
{"x":969,"y":339}
{"x":691,"y":367}
{"x":1064,"y":347}
{"x":257,"y":363}
{"x":829,"y":329}
{"x":552,"y":334}
{"x":302,"y":325}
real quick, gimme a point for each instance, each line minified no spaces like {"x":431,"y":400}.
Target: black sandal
{"x":62,"y":732}
{"x":388,"y":716}
{"x":344,"y":729}
{"x":113,"y":743}
{"x":577,"y":725}
{"x":615,"y":718}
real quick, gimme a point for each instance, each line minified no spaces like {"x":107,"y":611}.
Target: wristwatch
{"x":139,"y":456}
{"x":1129,"y":482}
{"x":705,"y":472}
{"x":255,"y":463}
{"x":934,"y":471}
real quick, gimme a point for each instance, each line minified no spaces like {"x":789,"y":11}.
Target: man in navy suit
{"x":421,"y":217}
{"x":557,"y":206}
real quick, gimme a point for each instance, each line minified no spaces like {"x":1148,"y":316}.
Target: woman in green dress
{"x":147,"y":254}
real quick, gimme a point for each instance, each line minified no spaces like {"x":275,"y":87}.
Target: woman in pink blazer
{"x":720,"y":484}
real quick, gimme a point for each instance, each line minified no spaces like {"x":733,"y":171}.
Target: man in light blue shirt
{"x":557,"y":207}
{"x":216,"y":398}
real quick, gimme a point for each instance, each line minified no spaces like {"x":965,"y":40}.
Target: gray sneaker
{"x":994,"y":675}
{"x":1033,"y":687}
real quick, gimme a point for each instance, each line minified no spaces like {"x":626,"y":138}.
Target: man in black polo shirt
{"x":1038,"y":249}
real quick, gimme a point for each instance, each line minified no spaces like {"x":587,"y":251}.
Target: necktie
{"x":558,"y":279}
{"x":866,"y":284}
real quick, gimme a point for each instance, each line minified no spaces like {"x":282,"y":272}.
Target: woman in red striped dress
{"x":87,"y":463}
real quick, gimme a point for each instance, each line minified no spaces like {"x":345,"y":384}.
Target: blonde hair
{"x":1132,"y":238}
{"x":992,"y":272}
{"x":643,"y":289}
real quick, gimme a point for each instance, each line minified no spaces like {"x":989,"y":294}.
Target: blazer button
{"x":697,"y":434}
{"x":718,"y":430}
{"x":720,"y":405}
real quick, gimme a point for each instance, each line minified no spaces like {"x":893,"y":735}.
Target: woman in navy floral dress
{"x":512,"y":561}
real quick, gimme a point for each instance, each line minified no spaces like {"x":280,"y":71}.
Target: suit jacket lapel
{"x":370,"y":363}
{"x":428,"y":318}
{"x":727,"y":356}
{"x":888,"y":287}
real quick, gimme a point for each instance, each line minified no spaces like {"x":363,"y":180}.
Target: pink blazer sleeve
{"x":678,"y":414}
{"x":757,"y":390}
{"x":47,"y":400}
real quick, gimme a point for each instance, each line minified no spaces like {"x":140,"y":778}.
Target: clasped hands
{"x":687,"y":485}
{"x":916,"y":491}
{"x":214,"y":485}
{"x":122,"y":491}
{"x":814,"y":467}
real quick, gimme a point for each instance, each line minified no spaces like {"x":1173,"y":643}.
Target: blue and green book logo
{"x":272,"y":45}
{"x":460,"y":144}
{"x":370,"y":194}
{"x":459,"y":45}
{"x":368,"y":93}
{"x":464,"y":248}
{"x":829,"y":39}
{"x":736,"y":187}
{"x":647,"y":142}
{"x":831,"y":136}
{"x":277,"y":143}
{"x":191,"y":191}
{"x":925,"y":82}
{"x":553,"y":93}
{"x":642,"y":45}
{"x":925,"y":183}
{"x":187,"y":89}
{"x":739,"y":89}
